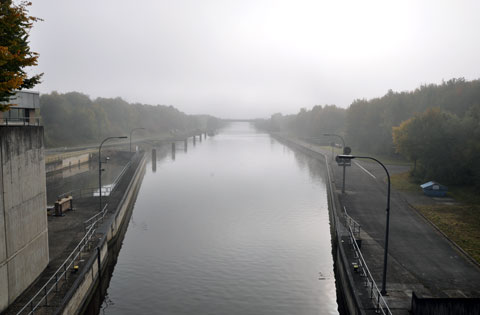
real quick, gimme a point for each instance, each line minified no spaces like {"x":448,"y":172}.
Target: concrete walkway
{"x":421,"y":259}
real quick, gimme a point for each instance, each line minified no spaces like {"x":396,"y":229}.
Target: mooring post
{"x":99,"y":262}
{"x":154,"y":160}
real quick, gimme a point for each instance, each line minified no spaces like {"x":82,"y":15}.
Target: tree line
{"x":437,"y":127}
{"x":74,"y":119}
{"x":15,"y":53}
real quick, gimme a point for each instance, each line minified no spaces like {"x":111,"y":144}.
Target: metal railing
{"x":381,"y":305}
{"x":79,"y":193}
{"x":61,"y":274}
{"x":93,"y":221}
{"x":351,"y":223}
{"x":25,"y":121}
{"x":41,"y":297}
{"x":117,"y":179}
{"x":93,"y":191}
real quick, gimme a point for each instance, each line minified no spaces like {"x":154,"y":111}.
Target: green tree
{"x":437,"y":140}
{"x":15,"y":54}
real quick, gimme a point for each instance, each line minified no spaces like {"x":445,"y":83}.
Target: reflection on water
{"x":238,"y":225}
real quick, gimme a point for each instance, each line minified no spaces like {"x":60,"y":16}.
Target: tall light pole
{"x":131,"y":131}
{"x":100,"y":167}
{"x":387,"y":228}
{"x":343,"y":151}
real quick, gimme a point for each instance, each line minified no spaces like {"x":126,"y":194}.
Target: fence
{"x":381,"y":305}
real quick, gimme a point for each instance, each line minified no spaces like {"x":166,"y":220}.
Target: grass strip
{"x":461,"y":223}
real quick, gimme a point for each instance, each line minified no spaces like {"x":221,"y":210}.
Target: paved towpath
{"x":421,"y":259}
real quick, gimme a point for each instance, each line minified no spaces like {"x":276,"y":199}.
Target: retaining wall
{"x":80,"y":293}
{"x":23,"y":215}
{"x":67,"y":161}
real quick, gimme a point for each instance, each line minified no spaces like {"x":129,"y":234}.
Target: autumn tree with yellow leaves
{"x":15,"y":54}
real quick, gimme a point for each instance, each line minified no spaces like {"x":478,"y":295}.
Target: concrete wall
{"x":23,"y":217}
{"x":75,"y":160}
{"x":446,"y":306}
{"x":66,"y":161}
{"x":83,"y":287}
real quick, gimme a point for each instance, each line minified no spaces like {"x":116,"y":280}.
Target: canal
{"x":238,"y":224}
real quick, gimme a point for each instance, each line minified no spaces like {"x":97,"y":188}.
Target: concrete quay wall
{"x":80,"y":293}
{"x":23,"y":216}
{"x":350,"y":295}
{"x":66,"y":161}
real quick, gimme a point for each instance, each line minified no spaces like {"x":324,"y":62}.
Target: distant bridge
{"x":239,"y":120}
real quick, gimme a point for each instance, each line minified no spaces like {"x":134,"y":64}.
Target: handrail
{"x":58,"y":275}
{"x":25,"y":121}
{"x":352,"y":223}
{"x":82,"y":191}
{"x":101,"y":215}
{"x":375,"y":295}
{"x":117,"y":179}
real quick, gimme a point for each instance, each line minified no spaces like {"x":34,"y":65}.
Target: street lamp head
{"x":346,"y":156}
{"x":122,"y":137}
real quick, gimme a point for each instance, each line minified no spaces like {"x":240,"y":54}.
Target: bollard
{"x":185,"y":145}
{"x":99,"y":264}
{"x":154,"y":160}
{"x":194,"y":139}
{"x":200,"y":137}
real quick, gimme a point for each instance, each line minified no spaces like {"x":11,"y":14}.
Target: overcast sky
{"x":252,"y":58}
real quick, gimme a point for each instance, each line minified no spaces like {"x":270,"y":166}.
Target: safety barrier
{"x":377,"y":298}
{"x":41,"y":297}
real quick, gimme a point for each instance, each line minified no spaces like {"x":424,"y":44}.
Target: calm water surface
{"x":237,"y":225}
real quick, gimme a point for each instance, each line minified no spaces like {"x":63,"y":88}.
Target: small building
{"x":25,"y":112}
{"x":434,"y":189}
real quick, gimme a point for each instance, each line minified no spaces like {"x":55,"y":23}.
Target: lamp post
{"x":131,"y":131}
{"x":100,"y":167}
{"x":387,"y":228}
{"x":343,"y":151}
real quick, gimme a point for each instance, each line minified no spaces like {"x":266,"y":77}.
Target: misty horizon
{"x":252,"y":59}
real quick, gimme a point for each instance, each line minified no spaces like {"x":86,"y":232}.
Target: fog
{"x":244,"y":59}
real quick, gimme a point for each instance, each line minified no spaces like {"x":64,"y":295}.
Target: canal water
{"x":238,"y":224}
